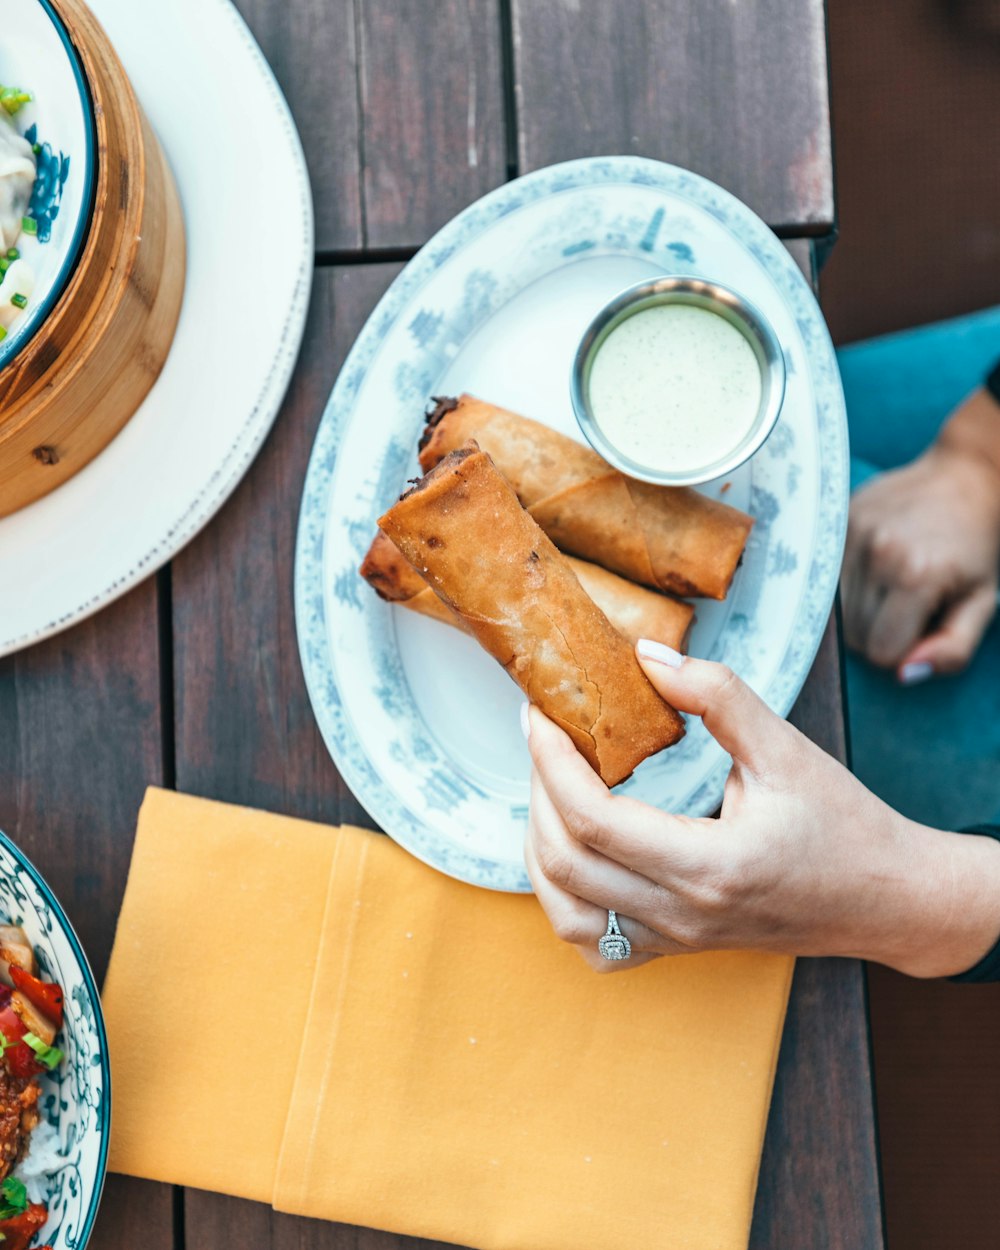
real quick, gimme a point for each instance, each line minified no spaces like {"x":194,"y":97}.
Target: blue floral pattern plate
{"x":38,"y":56}
{"x":76,"y":1098}
{"x":421,"y":723}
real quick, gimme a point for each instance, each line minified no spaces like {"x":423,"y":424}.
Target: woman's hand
{"x":803,"y":858}
{"x":923,"y":550}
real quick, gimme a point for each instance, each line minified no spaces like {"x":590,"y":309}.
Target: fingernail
{"x":660,"y":652}
{"x":525,"y":721}
{"x":911,"y":674}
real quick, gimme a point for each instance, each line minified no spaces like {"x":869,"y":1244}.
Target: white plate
{"x":422,"y":724}
{"x":242,"y":178}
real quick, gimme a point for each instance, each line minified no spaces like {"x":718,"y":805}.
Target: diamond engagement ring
{"x":614,"y":944}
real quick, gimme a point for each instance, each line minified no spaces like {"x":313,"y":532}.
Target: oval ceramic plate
{"x":75,"y":1099}
{"x":230,"y":143}
{"x":37,"y":56}
{"x":422,"y":724}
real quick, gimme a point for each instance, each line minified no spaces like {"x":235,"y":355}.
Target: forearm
{"x":943,"y":904}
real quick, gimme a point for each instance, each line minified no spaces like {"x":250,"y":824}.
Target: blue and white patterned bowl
{"x":75,"y":1099}
{"x":37,"y":55}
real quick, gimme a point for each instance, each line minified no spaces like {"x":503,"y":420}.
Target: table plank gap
{"x":165,"y":632}
{"x":366,"y":256}
{"x":508,"y":63}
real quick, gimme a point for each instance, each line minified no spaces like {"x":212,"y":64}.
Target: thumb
{"x":952,"y":644}
{"x":739,"y":720}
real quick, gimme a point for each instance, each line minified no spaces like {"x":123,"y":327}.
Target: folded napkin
{"x":310,"y":1017}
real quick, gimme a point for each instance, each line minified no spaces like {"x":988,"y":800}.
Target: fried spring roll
{"x":633,"y":610}
{"x":463,"y":529}
{"x":669,"y":537}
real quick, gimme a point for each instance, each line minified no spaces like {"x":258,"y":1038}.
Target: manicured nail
{"x":525,"y":721}
{"x":911,"y":674}
{"x":660,"y":652}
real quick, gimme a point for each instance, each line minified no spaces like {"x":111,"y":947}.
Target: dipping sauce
{"x":675,"y":387}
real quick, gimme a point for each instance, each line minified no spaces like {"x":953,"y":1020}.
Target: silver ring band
{"x":614,"y":944}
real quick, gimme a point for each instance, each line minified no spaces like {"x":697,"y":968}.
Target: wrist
{"x":973,"y":432}
{"x":946,"y":902}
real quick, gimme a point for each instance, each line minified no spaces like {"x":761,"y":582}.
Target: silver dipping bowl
{"x":698,"y":293}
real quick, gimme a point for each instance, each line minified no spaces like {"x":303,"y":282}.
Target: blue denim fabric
{"x":932,"y":751}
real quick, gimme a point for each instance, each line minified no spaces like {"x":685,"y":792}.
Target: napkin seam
{"x":340,"y":850}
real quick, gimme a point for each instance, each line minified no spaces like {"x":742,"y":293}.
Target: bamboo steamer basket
{"x":88,"y":367}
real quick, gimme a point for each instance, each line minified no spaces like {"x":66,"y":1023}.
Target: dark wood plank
{"x":819,"y":709}
{"x":432,"y":113}
{"x":216,"y":1223}
{"x":80,"y":738}
{"x":245,"y":730}
{"x":735,"y":91}
{"x":312,"y":49}
{"x":819,"y":1182}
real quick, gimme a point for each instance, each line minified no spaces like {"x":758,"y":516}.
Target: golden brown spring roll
{"x":633,"y":610}
{"x":463,"y":529}
{"x":669,"y":537}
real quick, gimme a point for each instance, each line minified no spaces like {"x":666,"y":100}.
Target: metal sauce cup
{"x":698,"y":293}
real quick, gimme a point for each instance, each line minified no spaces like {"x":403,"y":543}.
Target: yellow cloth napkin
{"x":310,"y":1017}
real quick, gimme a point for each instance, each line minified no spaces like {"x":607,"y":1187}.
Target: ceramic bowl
{"x":37,"y":55}
{"x":76,"y":1098}
{"x":696,"y":293}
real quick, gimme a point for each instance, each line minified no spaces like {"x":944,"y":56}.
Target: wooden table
{"x":408,"y":110}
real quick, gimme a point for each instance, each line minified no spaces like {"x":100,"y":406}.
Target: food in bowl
{"x":31,"y":1017}
{"x":678,"y":381}
{"x":18,"y":170}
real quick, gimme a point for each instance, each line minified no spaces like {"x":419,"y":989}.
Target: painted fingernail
{"x":660,"y":652}
{"x":912,"y":674}
{"x":525,"y":721}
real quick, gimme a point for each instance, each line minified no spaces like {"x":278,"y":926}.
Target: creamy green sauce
{"x":675,"y":388}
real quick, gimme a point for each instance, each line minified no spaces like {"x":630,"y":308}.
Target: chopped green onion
{"x":3,"y":335}
{"x":29,"y":225}
{"x":13,"y":254}
{"x":4,"y":264}
{"x":19,"y":300}
{"x":12,"y":98}
{"x":14,"y":1198}
{"x":49,"y":1056}
{"x":4,"y":1044}
{"x":36,"y":148}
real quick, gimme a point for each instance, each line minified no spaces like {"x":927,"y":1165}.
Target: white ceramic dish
{"x":37,"y":56}
{"x":422,"y":724}
{"x":230,"y":144}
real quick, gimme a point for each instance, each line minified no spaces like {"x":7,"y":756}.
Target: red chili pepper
{"x":18,"y":1056}
{"x":19,"y":1229}
{"x":45,"y":995}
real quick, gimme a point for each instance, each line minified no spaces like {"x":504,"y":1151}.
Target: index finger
{"x":624,"y":830}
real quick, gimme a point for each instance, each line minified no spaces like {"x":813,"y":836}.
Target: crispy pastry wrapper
{"x":462,"y":528}
{"x":669,"y":537}
{"x":633,"y":610}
